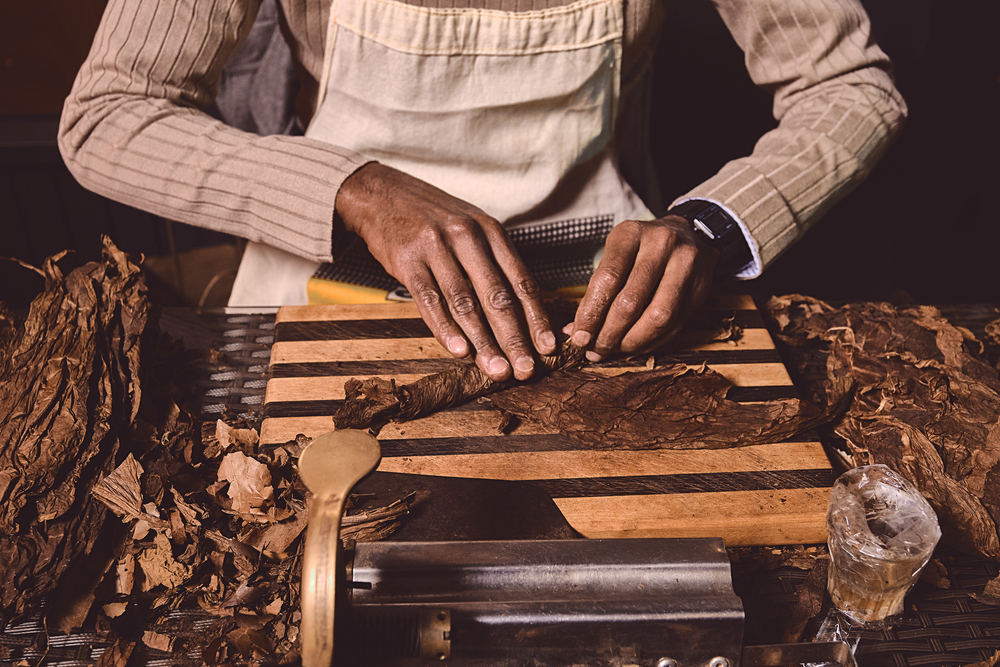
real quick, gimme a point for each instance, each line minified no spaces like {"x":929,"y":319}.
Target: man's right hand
{"x":436,"y":245}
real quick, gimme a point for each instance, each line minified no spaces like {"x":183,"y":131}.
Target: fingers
{"x":477,"y":296}
{"x":684,"y":287}
{"x":509,"y":299}
{"x":609,"y":279}
{"x":651,"y":278}
{"x":437,"y":245}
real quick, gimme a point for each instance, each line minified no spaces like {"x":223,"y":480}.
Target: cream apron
{"x":512,"y":112}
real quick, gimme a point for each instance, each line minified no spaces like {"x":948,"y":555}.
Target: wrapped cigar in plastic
{"x":881,"y":534}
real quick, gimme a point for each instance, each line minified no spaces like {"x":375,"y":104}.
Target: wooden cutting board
{"x":761,"y":495}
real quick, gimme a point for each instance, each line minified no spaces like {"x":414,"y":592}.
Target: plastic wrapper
{"x":881,"y":534}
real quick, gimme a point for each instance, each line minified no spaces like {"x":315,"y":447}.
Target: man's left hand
{"x":652,"y":276}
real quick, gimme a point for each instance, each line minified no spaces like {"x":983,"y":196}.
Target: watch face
{"x":721,"y":232}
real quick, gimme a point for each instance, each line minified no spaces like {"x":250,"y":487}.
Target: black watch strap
{"x":720,"y":231}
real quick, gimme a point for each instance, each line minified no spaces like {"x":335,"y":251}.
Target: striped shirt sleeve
{"x":837,"y":109}
{"x":132,"y":130}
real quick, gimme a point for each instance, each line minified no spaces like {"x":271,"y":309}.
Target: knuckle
{"x":427,"y":237}
{"x":425,"y":294}
{"x":660,"y":317}
{"x":629,"y":227}
{"x":628,"y":302}
{"x":491,"y":225}
{"x":606,"y":280}
{"x":499,"y":298}
{"x":463,"y":305}
{"x":527,"y":287}
{"x":459,"y":227}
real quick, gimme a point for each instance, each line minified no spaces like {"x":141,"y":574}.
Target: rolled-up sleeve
{"x":133,"y":131}
{"x":837,"y":108}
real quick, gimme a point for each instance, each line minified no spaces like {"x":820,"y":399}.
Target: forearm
{"x":132,"y":130}
{"x":837,"y":108}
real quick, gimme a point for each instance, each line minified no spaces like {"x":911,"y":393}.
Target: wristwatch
{"x":720,"y":231}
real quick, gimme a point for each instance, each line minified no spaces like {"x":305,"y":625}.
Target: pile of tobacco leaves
{"x":120,"y":507}
{"x":925,"y":401}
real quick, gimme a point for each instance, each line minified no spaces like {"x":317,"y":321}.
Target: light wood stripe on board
{"x":786,"y":516}
{"x":385,"y":349}
{"x":542,"y":465}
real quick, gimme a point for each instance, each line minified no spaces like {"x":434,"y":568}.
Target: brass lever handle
{"x":330,"y":466}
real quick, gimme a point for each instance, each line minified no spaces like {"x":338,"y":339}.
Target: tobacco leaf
{"x":178,"y":545}
{"x":249,"y":482}
{"x":121,"y":490}
{"x":666,"y":408}
{"x":69,"y":392}
{"x":926,"y":404}
{"x":159,"y":567}
{"x":990,"y":594}
{"x":229,"y":436}
{"x":374,"y":402}
{"x":157,"y":641}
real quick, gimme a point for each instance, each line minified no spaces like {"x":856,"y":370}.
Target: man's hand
{"x":652,"y":276}
{"x":435,"y":245}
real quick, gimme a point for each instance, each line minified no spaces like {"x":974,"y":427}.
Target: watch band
{"x":720,"y":231}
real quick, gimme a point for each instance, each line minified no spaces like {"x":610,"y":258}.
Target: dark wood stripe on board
{"x":687,"y":483}
{"x":351,"y":329}
{"x":414,"y":328}
{"x":422,"y":366}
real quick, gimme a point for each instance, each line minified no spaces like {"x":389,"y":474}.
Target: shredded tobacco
{"x":926,"y":404}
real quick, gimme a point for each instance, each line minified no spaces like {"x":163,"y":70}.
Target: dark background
{"x":923,"y":227}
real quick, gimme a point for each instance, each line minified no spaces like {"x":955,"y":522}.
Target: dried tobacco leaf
{"x":990,"y":594}
{"x":121,"y":490}
{"x":159,"y":567}
{"x":157,"y":641}
{"x":69,"y":390}
{"x":249,"y":483}
{"x":666,"y":408}
{"x":374,"y":402}
{"x":229,"y":436}
{"x":926,"y":404}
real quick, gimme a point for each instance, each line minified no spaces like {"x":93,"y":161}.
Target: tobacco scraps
{"x":927,"y":404}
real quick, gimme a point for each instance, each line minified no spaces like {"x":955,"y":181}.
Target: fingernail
{"x":498,"y":366}
{"x":524,"y":365}
{"x":547,"y":340}
{"x":581,"y":338}
{"x":593,"y":356}
{"x":456,"y":345}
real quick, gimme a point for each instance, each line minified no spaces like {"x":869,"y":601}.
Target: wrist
{"x":356,"y":196}
{"x":719,"y":230}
